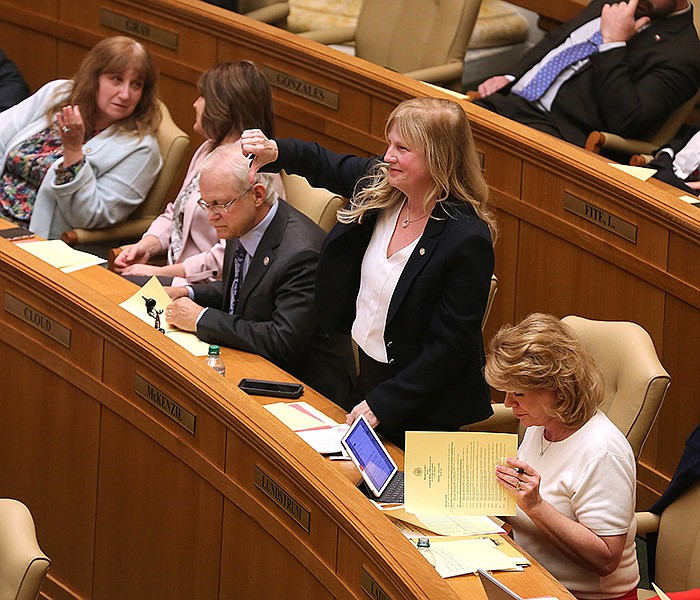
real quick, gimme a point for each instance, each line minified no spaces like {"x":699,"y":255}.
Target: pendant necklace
{"x":407,"y":221}
{"x":543,"y":448}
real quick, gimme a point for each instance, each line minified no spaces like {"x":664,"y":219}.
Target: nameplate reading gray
{"x":302,"y":88}
{"x":175,"y":411}
{"x":38,"y":320}
{"x":372,"y":588}
{"x":163,"y":37}
{"x":282,"y":498}
{"x":603,"y":219}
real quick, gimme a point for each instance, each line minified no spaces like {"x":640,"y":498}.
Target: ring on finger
{"x":65,"y":129}
{"x":517,"y":486}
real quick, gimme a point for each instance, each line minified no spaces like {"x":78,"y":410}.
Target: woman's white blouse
{"x":378,"y":279}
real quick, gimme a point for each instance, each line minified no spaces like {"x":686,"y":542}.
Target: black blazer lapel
{"x":264,"y":255}
{"x":419,"y":258}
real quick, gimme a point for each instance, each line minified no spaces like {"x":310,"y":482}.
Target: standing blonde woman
{"x":407,"y":268}
{"x":81,"y":152}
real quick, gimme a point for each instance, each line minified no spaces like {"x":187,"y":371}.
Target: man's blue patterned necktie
{"x":238,"y":258}
{"x":545,"y":77}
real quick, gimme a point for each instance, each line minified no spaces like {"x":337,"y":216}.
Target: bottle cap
{"x":214,"y":349}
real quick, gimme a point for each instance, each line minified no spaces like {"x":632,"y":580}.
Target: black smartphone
{"x":16,"y":233}
{"x":279,"y":389}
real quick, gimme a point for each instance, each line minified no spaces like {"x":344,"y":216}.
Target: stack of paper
{"x":322,"y":433}
{"x":61,"y":255}
{"x":153,"y":290}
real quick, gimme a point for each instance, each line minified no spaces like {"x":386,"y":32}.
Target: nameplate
{"x":302,"y":88}
{"x":162,"y":37}
{"x":603,"y":219}
{"x":174,"y":410}
{"x":282,"y":498}
{"x":372,"y":588}
{"x":37,"y":320}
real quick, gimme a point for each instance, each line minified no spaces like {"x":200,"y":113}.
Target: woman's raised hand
{"x":72,"y":130}
{"x":261,"y":150}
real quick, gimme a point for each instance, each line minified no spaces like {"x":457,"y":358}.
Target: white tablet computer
{"x":378,"y":469}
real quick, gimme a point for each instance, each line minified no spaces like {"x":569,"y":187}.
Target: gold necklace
{"x":407,"y":221}
{"x":543,"y":448}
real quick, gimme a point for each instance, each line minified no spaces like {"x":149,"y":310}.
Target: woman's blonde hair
{"x":438,"y":128}
{"x":114,"y":55}
{"x":236,"y":97}
{"x":543,"y":354}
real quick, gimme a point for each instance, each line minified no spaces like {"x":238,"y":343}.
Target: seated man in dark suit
{"x":13,"y":88}
{"x":265,"y":303}
{"x":621,"y":68}
{"x":678,"y":163}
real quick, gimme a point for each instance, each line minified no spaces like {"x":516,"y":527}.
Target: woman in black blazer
{"x":407,"y":269}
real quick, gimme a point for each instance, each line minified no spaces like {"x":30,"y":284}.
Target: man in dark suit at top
{"x":621,"y":68}
{"x":265,"y":303}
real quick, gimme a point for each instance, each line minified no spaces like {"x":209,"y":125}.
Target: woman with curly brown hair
{"x":81,"y":152}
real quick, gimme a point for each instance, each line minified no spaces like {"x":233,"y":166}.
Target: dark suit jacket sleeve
{"x":338,"y":173}
{"x":13,"y":88}
{"x":628,"y":103}
{"x":453,"y":348}
{"x":291,"y":317}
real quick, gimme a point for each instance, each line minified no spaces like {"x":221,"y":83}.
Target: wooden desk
{"x":208,"y":496}
{"x":549,"y":258}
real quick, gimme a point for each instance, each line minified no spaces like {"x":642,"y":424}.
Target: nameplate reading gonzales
{"x":282,"y":498}
{"x":603,"y":219}
{"x":38,"y":320}
{"x":301,"y":88}
{"x":163,"y":37}
{"x":174,"y":410}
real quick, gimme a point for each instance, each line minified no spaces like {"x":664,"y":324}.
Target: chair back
{"x":318,"y":204}
{"x":22,"y":563}
{"x":678,"y":545}
{"x":172,"y":143}
{"x":634,"y":379}
{"x":408,"y":35}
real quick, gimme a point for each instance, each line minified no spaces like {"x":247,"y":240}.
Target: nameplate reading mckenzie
{"x":175,"y":411}
{"x":137,"y":28}
{"x":282,"y":498}
{"x":38,"y":320}
{"x":302,"y":88}
{"x":603,"y":219}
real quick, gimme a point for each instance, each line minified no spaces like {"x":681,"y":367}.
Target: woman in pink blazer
{"x":232,"y":97}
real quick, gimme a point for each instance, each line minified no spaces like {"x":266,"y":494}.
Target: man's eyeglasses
{"x":220,"y":208}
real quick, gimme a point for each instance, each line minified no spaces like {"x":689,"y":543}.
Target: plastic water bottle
{"x":424,"y":548}
{"x":214,"y":360}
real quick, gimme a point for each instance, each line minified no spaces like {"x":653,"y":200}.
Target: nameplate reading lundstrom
{"x":38,"y":320}
{"x":282,"y":498}
{"x":140,"y":29}
{"x":301,"y":88}
{"x":175,"y":411}
{"x":603,"y":219}
{"x":373,"y":589}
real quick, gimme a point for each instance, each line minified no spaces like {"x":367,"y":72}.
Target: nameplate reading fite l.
{"x":175,"y":411}
{"x":603,"y":219}
{"x":302,"y":88}
{"x":372,"y":588}
{"x":138,"y":28}
{"x":282,"y":498}
{"x":38,"y":320}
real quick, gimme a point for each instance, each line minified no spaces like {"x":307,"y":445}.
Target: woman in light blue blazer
{"x":82,"y":152}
